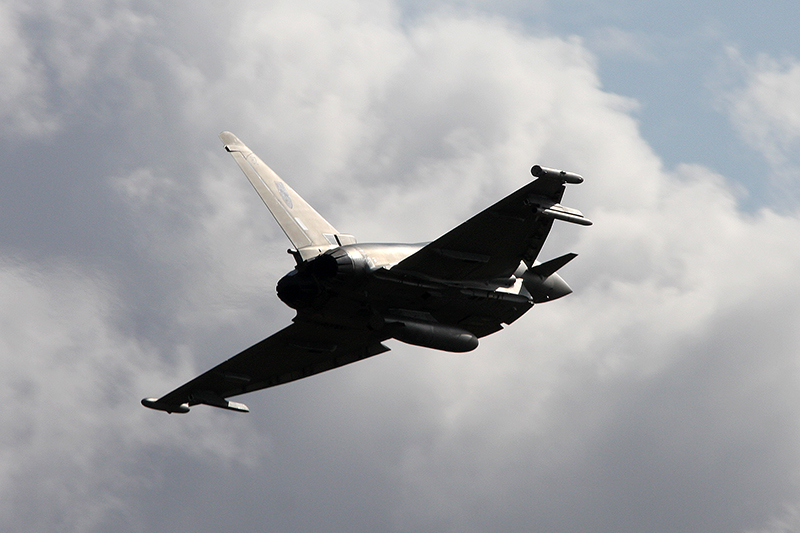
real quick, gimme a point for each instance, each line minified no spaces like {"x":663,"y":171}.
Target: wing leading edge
{"x":491,"y":244}
{"x":297,"y":351}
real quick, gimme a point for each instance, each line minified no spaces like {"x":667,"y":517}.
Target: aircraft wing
{"x":297,"y":351}
{"x":309,"y":232}
{"x":492,"y":243}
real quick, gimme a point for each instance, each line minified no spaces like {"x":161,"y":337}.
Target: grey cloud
{"x":659,"y":396}
{"x":73,"y":447}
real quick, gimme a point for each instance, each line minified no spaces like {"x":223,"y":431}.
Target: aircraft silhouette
{"x":351,"y":297}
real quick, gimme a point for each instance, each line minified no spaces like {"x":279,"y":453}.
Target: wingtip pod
{"x":565,"y":177}
{"x":154,"y":403}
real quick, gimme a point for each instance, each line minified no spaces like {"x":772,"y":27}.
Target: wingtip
{"x":539,"y":171}
{"x":231,"y":142}
{"x":154,"y":403}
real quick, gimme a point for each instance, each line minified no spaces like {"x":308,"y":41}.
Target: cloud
{"x":763,"y":108}
{"x":660,"y":396}
{"x":667,"y":381}
{"x":617,"y":42}
{"x":23,"y":103}
{"x":73,"y":448}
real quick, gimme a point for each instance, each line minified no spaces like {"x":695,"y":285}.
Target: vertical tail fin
{"x":310,"y":234}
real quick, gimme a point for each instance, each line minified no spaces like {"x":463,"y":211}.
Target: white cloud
{"x":765,"y":112}
{"x":672,"y":366}
{"x":665,"y":386}
{"x":617,"y":42}
{"x":74,"y":439}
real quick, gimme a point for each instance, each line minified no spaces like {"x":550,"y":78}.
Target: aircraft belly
{"x":480,"y":312}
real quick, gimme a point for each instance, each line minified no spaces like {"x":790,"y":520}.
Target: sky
{"x":663,"y":395}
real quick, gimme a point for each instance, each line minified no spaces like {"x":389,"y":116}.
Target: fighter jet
{"x":352,"y":297}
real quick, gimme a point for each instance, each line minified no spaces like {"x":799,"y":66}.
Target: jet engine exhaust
{"x":299,"y":288}
{"x":305,"y":286}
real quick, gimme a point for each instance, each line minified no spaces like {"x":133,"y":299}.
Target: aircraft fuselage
{"x":355,"y":285}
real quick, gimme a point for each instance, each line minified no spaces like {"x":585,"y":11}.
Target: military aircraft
{"x":352,"y":297}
